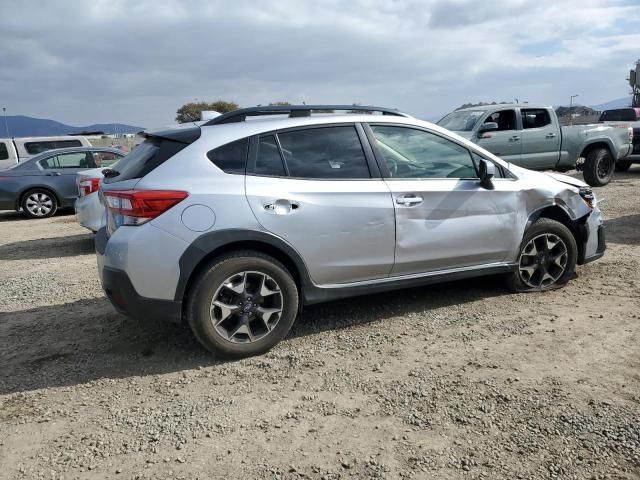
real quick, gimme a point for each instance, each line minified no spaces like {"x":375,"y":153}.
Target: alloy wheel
{"x":543,"y":260}
{"x":39,"y":204}
{"x":246,"y":307}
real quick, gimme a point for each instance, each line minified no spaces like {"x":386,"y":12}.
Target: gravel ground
{"x":461,"y":380}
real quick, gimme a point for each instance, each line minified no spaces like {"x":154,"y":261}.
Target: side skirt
{"x":322,"y":293}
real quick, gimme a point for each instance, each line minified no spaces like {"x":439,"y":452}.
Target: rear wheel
{"x":547,"y":257}
{"x":598,"y":167}
{"x":623,"y":165}
{"x":39,"y":203}
{"x":243,"y":304}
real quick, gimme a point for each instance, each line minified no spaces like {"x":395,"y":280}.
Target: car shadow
{"x":623,"y":230}
{"x":53,"y":247}
{"x":14,"y":216}
{"x":86,"y":340}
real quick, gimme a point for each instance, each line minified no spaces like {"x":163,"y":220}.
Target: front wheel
{"x":598,"y":167}
{"x":243,"y":304}
{"x":39,"y":203}
{"x":547,"y":257}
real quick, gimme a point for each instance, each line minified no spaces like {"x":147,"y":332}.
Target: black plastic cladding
{"x":296,"y":111}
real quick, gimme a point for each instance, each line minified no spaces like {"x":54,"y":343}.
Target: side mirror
{"x":486,"y":172}
{"x":487,"y":127}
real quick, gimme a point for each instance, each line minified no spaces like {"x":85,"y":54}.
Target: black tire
{"x":522,"y":281}
{"x":211,"y":282}
{"x":39,"y":203}
{"x":623,"y":165}
{"x":598,"y":167}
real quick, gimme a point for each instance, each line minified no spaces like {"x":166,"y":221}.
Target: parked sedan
{"x":42,"y":184}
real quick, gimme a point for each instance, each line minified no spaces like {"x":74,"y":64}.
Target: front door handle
{"x":551,"y":135}
{"x":54,"y":174}
{"x":515,"y":138}
{"x":409,"y":200}
{"x":280,"y":207}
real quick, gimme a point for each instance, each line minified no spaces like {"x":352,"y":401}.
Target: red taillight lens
{"x":88,"y":185}
{"x":135,"y":207}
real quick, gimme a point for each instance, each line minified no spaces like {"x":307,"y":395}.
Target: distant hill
{"x":22,"y":126}
{"x":617,"y":103}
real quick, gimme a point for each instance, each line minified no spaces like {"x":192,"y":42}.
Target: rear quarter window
{"x":4,"y":153}
{"x":232,"y":157}
{"x":33,"y":148}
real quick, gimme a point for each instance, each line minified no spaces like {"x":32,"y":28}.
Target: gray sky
{"x":137,"y":62}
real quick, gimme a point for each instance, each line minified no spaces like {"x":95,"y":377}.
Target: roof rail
{"x":296,"y":111}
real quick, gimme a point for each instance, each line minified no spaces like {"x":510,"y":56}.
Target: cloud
{"x":137,"y":62}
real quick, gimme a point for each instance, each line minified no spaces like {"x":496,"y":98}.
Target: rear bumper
{"x":126,"y":300}
{"x":89,"y":212}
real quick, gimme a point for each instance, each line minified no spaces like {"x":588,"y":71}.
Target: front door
{"x":313,"y":188}
{"x":540,"y":139}
{"x":444,"y":218}
{"x":506,"y":142}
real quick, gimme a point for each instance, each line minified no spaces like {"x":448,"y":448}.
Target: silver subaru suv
{"x":234,"y":224}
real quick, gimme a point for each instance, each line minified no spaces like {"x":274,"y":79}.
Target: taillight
{"x":87,"y":185}
{"x":135,"y":207}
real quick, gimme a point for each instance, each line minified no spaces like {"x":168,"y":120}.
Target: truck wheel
{"x":623,"y":165}
{"x":39,"y":203}
{"x":598,"y":167}
{"x":243,"y":304}
{"x":546,"y":259}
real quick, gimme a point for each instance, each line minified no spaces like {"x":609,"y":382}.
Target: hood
{"x":574,"y":182}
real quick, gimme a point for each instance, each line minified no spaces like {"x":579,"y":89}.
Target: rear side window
{"x":33,"y":148}
{"x":331,"y":152}
{"x":4,"y":153}
{"x":69,"y":160}
{"x":232,"y":157}
{"x":535,"y":117}
{"x":269,"y":161}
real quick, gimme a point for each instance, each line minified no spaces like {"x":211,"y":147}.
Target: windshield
{"x":461,"y":121}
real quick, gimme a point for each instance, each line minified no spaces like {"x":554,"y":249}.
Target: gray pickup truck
{"x":530,"y":136}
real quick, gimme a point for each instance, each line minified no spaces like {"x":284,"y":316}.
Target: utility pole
{"x":6,"y":125}
{"x":571,"y":108}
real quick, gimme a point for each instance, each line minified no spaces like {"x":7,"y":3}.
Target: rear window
{"x":4,"y":153}
{"x":33,"y":148}
{"x":232,"y":157}
{"x":619,"y":115}
{"x":145,"y":157}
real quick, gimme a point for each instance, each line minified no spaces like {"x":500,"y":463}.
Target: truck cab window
{"x":535,"y":118}
{"x":506,"y":119}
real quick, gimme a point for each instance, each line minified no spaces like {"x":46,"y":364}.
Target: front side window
{"x":506,"y":119}
{"x":68,"y":160}
{"x":232,"y":157}
{"x":33,"y":148}
{"x":324,"y":153}
{"x":411,"y":153}
{"x":535,"y":118}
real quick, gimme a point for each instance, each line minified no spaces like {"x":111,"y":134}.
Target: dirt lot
{"x":462,"y":380}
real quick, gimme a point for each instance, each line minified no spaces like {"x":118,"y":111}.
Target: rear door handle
{"x":281,"y":207}
{"x":409,"y":200}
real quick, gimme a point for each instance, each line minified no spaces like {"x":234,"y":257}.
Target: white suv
{"x":233,"y":225}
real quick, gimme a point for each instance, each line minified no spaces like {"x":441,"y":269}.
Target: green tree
{"x":190,"y":112}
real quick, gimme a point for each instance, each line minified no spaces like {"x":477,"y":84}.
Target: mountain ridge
{"x":25,"y":126}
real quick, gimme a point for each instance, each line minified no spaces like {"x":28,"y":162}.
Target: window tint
{"x":506,"y":119}
{"x":411,"y":153}
{"x":69,"y":160}
{"x":331,"y":152}
{"x":232,"y":157}
{"x":4,"y":153}
{"x":535,"y":117}
{"x":269,"y":161}
{"x":33,"y":148}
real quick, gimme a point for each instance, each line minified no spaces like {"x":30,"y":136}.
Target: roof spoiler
{"x":298,"y":111}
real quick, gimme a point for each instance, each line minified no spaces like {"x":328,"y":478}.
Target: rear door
{"x":62,"y":169}
{"x":506,"y":141}
{"x":540,"y":139}
{"x":320,"y":190}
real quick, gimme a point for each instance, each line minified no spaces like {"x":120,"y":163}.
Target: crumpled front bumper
{"x":594,"y":244}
